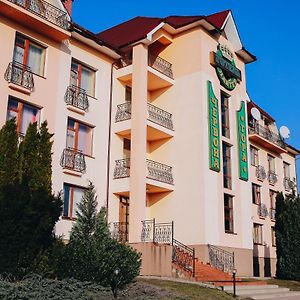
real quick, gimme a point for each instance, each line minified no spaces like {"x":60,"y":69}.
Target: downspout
{"x":109,"y":138}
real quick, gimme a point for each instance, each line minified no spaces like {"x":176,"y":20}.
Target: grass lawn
{"x":187,"y":291}
{"x":292,"y":285}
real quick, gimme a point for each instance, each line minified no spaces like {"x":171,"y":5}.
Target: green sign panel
{"x":242,"y":142}
{"x":214,"y":130}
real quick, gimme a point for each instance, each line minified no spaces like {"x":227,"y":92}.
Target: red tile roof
{"x":137,"y":28}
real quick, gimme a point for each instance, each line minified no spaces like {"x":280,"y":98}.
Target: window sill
{"x":68,"y":218}
{"x":75,"y":109}
{"x":229,"y":232}
{"x":19,"y":88}
{"x":71,"y":172}
{"x":258,"y":244}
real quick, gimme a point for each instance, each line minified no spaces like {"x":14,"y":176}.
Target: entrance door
{"x":124,"y":218}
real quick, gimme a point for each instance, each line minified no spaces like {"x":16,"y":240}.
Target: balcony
{"x":77,"y":98}
{"x":19,"y":75}
{"x":39,"y":15}
{"x":159,"y":125}
{"x":160,"y":72}
{"x":266,"y":138}
{"x":159,"y":177}
{"x":288,"y":184}
{"x":272,"y":177}
{"x":73,"y":160}
{"x":120,"y":231}
{"x":261,"y":173}
{"x":262,"y":211}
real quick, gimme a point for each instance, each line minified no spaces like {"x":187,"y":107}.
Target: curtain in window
{"x":87,"y":81}
{"x":77,"y":195}
{"x":29,"y":115}
{"x":34,"y":60}
{"x":18,"y":54}
{"x":84,"y":139}
{"x":66,"y":200}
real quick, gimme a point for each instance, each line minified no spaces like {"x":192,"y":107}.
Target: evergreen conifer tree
{"x":8,"y":153}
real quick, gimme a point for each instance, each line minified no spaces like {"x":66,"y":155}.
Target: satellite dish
{"x":285,"y":132}
{"x":255,"y":113}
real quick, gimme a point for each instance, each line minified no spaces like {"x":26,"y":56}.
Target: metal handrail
{"x":45,"y":10}
{"x":261,"y":172}
{"x":19,"y":74}
{"x":73,"y":159}
{"x":120,"y":231}
{"x":161,"y":65}
{"x":77,"y":97}
{"x":272,"y":177}
{"x":288,"y":183}
{"x":221,"y":259}
{"x":122,"y":168}
{"x":160,"y":172}
{"x":262,"y":210}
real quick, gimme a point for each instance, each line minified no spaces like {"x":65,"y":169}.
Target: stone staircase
{"x":265,"y":291}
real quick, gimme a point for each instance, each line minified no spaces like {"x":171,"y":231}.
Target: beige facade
{"x":134,"y":119}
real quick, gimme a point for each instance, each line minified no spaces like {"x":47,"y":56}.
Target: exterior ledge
{"x":75,"y":109}
{"x":19,"y":88}
{"x":71,"y":172}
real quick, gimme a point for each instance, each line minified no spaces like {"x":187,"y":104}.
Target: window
{"x":273,"y":233}
{"x":254,"y":156}
{"x":286,"y":170}
{"x":24,"y":114}
{"x":79,"y":137}
{"x":126,"y":148}
{"x":225,"y":115}
{"x":72,"y":196}
{"x":257,"y":234}
{"x":29,"y":54}
{"x":128,"y":93}
{"x":256,"y":194}
{"x":272,"y":195}
{"x":228,"y":213}
{"x":83,"y":77}
{"x":271,"y":164}
{"x":227,"y":166}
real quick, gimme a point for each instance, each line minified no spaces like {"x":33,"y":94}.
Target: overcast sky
{"x":268,"y":28}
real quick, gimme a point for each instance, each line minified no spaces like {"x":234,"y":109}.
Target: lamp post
{"x":115,"y":282}
{"x":234,"y":282}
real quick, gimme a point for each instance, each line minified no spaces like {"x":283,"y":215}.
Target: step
{"x":250,"y":287}
{"x":279,"y":296}
{"x":262,"y":291}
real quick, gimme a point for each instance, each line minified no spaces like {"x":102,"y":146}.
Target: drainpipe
{"x":109,"y":138}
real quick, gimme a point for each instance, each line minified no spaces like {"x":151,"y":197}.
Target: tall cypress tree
{"x":8,"y":153}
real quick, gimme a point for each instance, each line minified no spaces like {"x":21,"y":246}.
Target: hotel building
{"x":155,"y":113}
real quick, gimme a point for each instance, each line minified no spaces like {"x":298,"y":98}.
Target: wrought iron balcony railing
{"x":272,"y":177}
{"x":120,"y":231}
{"x":159,"y":233}
{"x":289,"y":184}
{"x":123,"y":112}
{"x":262,"y":210}
{"x":19,"y":74}
{"x":122,"y":168}
{"x":73,"y":159}
{"x":77,"y":97}
{"x":267,"y":134}
{"x":155,"y":114}
{"x":261,"y":173}
{"x":45,"y":10}
{"x":161,"y":65}
{"x":184,"y":256}
{"x":272,"y":213}
{"x":159,"y":172}
{"x":221,"y":259}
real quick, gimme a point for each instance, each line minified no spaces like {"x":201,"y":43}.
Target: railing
{"x":288,"y":184}
{"x":267,"y":134}
{"x":262,"y":210}
{"x":159,"y":172}
{"x":221,"y":259}
{"x":160,"y":116}
{"x":77,"y":97}
{"x":183,"y":256}
{"x":123,"y":112}
{"x":120,"y":231}
{"x":44,"y":10}
{"x":261,"y":173}
{"x":122,"y":168}
{"x":19,"y":74}
{"x":272,"y":213}
{"x":73,"y":159}
{"x":272,"y":177}
{"x":159,"y":233}
{"x":161,"y":65}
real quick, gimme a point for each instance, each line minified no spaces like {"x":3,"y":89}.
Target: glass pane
{"x":34,"y":60}
{"x":29,"y":115}
{"x":87,"y":81}
{"x":77,"y":196}
{"x":71,"y":123}
{"x":84,"y":139}
{"x":18,"y":54}
{"x":70,"y":139}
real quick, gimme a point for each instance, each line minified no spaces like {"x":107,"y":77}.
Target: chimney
{"x":68,"y":5}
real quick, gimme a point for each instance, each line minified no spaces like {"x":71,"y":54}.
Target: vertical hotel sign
{"x":214,"y":130}
{"x":242,"y":142}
